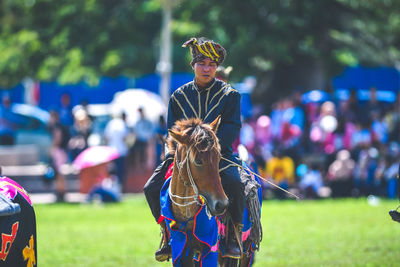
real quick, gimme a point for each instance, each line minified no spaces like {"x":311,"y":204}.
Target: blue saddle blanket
{"x":205,"y":230}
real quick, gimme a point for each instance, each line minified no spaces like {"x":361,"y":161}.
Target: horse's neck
{"x":178,"y":188}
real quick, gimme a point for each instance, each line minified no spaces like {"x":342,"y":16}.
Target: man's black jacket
{"x":217,"y":98}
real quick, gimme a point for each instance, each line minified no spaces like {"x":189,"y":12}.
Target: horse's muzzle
{"x":221,"y":206}
{"x":216,"y":206}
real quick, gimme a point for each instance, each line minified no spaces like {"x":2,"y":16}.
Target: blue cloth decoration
{"x":205,"y":231}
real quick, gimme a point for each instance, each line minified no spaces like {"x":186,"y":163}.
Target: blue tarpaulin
{"x":383,"y":78}
{"x":50,"y":92}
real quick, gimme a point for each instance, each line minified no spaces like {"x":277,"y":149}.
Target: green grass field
{"x":346,"y":232}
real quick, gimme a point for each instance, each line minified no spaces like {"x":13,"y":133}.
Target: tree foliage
{"x":287,"y":44}
{"x":71,"y":41}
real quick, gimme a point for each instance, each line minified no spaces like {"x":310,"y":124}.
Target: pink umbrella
{"x":94,"y":156}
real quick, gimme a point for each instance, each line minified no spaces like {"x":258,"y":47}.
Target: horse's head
{"x":198,"y":148}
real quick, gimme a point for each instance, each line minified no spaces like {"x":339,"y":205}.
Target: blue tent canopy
{"x":383,"y":78}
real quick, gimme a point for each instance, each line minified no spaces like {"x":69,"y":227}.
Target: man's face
{"x":204,"y":71}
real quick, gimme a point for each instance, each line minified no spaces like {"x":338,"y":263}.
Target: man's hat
{"x":203,"y":48}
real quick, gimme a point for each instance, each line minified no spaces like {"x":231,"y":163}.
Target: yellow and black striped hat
{"x":202,"y":48}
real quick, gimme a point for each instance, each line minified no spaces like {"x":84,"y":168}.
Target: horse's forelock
{"x":201,"y":136}
{"x":203,"y":140}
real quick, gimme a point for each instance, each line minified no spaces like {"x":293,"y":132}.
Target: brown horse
{"x":195,"y":180}
{"x":196,"y":169}
{"x":194,"y":196}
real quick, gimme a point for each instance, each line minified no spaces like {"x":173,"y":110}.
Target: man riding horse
{"x":205,"y":98}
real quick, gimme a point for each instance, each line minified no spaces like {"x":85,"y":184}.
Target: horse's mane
{"x":200,"y":135}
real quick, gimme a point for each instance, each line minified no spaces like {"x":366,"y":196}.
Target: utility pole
{"x":164,"y":66}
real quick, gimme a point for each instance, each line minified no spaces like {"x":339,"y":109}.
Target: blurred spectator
{"x":85,"y":107}
{"x":311,"y":182}
{"x":276,"y":120}
{"x":144,"y":131}
{"x":58,"y":152}
{"x":379,"y":128}
{"x":222,"y":73}
{"x":66,"y":116}
{"x":372,"y":106}
{"x":108,"y":188}
{"x":366,"y":132}
{"x":392,"y":119}
{"x":340,"y":174}
{"x":281,"y":169}
{"x":323,"y":128}
{"x":351,"y":109}
{"x":80,"y":133}
{"x":116,"y":134}
{"x":366,"y":180}
{"x":362,"y":135}
{"x":390,"y":175}
{"x":247,"y":135}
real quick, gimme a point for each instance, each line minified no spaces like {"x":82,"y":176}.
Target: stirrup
{"x":164,"y":252}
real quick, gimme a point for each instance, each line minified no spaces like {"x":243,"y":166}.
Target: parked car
{"x":32,"y":129}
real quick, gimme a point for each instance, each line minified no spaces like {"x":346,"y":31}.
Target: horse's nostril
{"x":220,"y":206}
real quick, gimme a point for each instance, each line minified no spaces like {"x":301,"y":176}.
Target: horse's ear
{"x":214,"y":125}
{"x":177,"y":136}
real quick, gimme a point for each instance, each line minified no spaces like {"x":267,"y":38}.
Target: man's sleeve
{"x":230,"y":125}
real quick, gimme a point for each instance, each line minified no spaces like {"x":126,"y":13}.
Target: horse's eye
{"x":198,"y":161}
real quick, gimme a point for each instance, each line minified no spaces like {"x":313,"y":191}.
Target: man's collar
{"x":205,"y":88}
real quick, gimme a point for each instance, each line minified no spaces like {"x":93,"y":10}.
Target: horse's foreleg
{"x":187,"y":256}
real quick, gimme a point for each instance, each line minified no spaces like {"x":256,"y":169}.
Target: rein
{"x":196,"y":196}
{"x":271,"y":183}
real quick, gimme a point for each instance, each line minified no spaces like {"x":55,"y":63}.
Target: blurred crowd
{"x":73,"y":129}
{"x":337,"y":148}
{"x":313,"y":146}
{"x":135,"y":144}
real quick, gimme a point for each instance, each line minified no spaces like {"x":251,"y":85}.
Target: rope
{"x":256,"y":228}
{"x":271,"y":183}
{"x":195,"y":197}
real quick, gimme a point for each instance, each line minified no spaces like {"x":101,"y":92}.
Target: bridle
{"x":196,"y":196}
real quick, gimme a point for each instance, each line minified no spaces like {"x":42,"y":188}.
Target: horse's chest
{"x":184,"y":214}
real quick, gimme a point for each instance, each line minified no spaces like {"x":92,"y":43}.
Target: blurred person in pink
{"x":322,"y":129}
{"x":58,"y":152}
